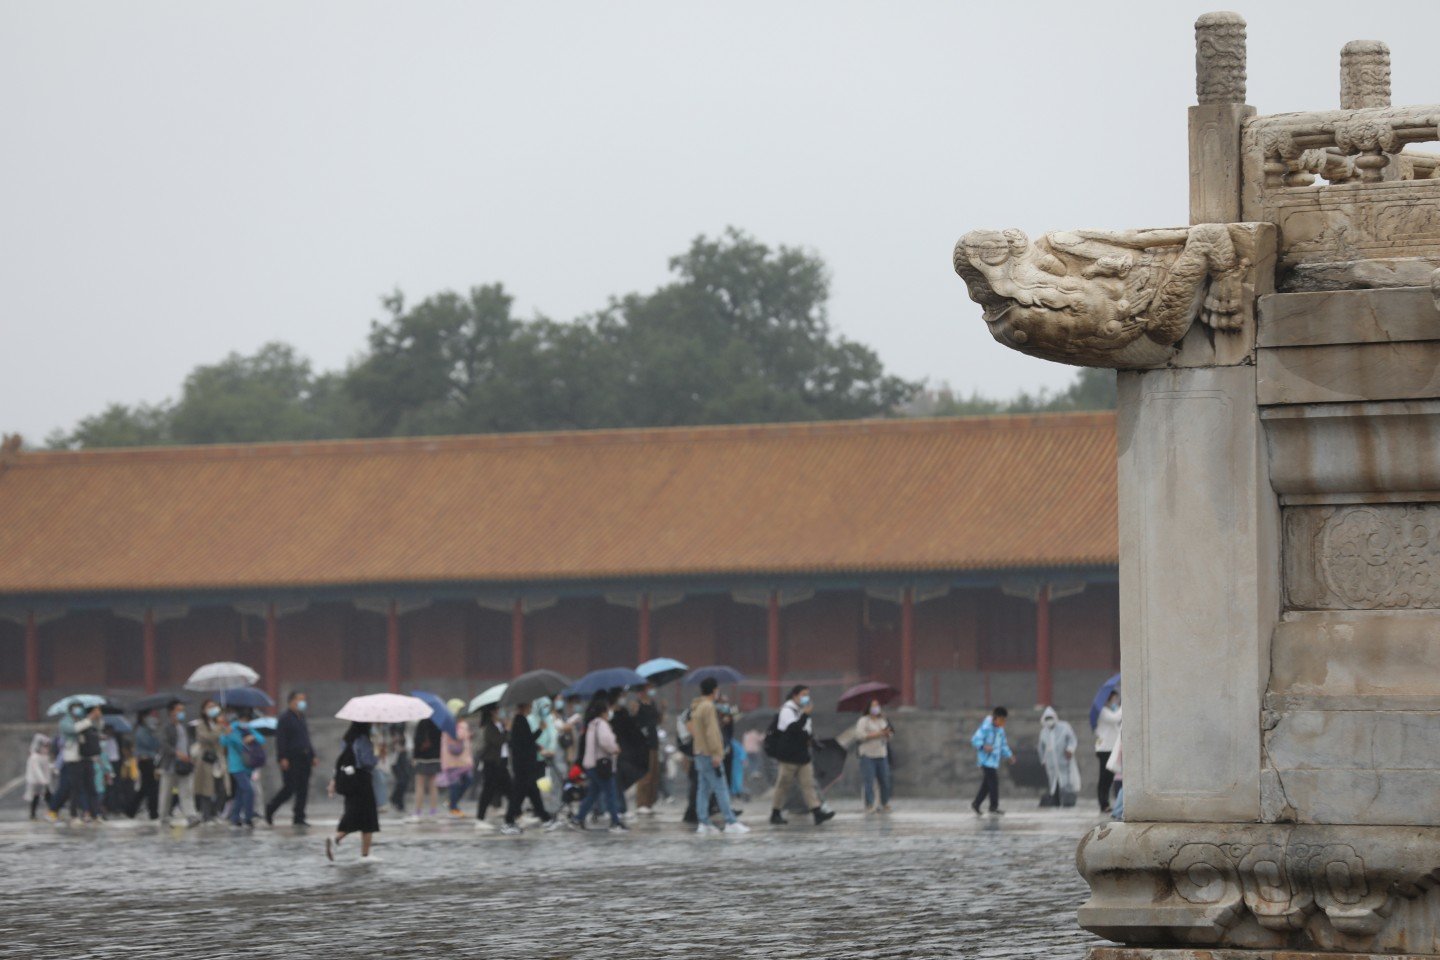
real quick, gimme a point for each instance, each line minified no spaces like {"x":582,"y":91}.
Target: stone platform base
{"x":1226,"y":891}
{"x":1202,"y":953}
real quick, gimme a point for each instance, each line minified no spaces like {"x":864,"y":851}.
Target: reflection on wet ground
{"x":925,"y":882}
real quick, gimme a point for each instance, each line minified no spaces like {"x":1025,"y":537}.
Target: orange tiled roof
{"x":894,"y":496}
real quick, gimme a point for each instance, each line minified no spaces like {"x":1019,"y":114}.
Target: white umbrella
{"x":485,"y":699}
{"x":384,"y":708}
{"x":221,"y":676}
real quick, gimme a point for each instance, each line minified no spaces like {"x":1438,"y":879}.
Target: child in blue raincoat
{"x":991,"y":749}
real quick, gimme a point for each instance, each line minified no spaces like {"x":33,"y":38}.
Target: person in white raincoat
{"x":1057,"y":755}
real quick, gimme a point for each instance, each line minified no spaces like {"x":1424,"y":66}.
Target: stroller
{"x":573,"y":792}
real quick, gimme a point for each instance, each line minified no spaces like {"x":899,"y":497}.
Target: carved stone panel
{"x":1363,"y":557}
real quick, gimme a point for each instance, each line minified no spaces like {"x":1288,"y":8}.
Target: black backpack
{"x":771,"y":745}
{"x":90,"y":743}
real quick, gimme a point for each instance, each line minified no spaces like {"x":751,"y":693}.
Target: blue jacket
{"x":234,"y":744}
{"x":995,"y":737}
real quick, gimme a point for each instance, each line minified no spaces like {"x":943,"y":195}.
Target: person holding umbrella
{"x":1107,"y":739}
{"x":76,"y":779}
{"x":296,"y":757}
{"x":526,"y":768}
{"x":599,"y":752}
{"x":176,"y":767}
{"x":352,"y":781}
{"x":457,"y":762}
{"x":209,"y":778}
{"x":873,"y":731}
{"x":495,"y":784}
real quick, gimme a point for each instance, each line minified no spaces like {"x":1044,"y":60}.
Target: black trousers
{"x":494,"y":787}
{"x":989,"y":787}
{"x":147,"y":791}
{"x":525,"y":786}
{"x":77,"y":786}
{"x":1107,"y":779}
{"x":296,"y":785}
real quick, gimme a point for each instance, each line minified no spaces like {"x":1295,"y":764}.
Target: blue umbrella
{"x":62,"y":706}
{"x":720,"y":673}
{"x":252,"y":697}
{"x":119,"y":724}
{"x":597,"y":680}
{"x":661,"y":670}
{"x":1103,"y":694}
{"x":442,"y":716}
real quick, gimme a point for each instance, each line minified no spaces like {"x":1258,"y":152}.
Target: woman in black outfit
{"x":352,"y":772}
{"x":495,"y":781}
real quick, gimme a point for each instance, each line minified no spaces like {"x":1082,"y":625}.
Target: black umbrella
{"x":529,"y":687}
{"x":829,"y":760}
{"x":158,"y":701}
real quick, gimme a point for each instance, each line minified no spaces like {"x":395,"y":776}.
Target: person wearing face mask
{"x":176,"y":767}
{"x":599,"y":752}
{"x":147,"y":749}
{"x":1057,"y":755}
{"x":793,"y":754}
{"x":297,"y":758}
{"x":75,"y":775}
{"x":208,"y":781}
{"x":873,"y":733}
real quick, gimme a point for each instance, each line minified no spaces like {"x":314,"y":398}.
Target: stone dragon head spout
{"x":1101,"y":299}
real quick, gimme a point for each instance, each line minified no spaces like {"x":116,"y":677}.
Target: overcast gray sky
{"x":179,"y":180}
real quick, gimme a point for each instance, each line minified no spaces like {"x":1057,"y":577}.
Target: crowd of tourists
{"x":570,"y":762}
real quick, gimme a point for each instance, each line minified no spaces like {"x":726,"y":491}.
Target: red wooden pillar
{"x":32,"y":669}
{"x":907,"y":647}
{"x":644,"y":627}
{"x":147,"y":650}
{"x":272,"y":654}
{"x":392,"y":648}
{"x":772,"y":648}
{"x":517,"y":638}
{"x":1044,"y":685}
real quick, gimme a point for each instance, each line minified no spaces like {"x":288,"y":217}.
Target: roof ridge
{"x":611,"y":435}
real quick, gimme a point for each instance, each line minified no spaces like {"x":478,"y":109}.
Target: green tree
{"x":118,"y":425}
{"x":272,"y":395}
{"x":742,"y":335}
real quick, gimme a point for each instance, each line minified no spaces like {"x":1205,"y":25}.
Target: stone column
{"x":1215,"y":122}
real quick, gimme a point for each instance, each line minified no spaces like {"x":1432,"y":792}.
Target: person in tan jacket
{"x":709,"y":760}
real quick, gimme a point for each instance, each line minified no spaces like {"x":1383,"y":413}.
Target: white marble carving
{"x":1108,"y":299}
{"x":1363,"y":557}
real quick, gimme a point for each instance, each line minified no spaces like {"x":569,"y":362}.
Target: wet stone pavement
{"x":928,"y":881}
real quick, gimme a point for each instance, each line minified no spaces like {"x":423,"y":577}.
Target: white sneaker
{"x":413,"y":818}
{"x":484,"y":825}
{"x":646,"y":811}
{"x":370,"y":859}
{"x":736,"y":827}
{"x":511,"y":830}
{"x":704,"y":829}
{"x":554,"y":823}
{"x":628,"y":816}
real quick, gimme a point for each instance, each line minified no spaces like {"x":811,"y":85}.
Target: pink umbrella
{"x":857,"y":698}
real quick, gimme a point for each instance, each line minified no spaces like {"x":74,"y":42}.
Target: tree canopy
{"x":739,"y":334}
